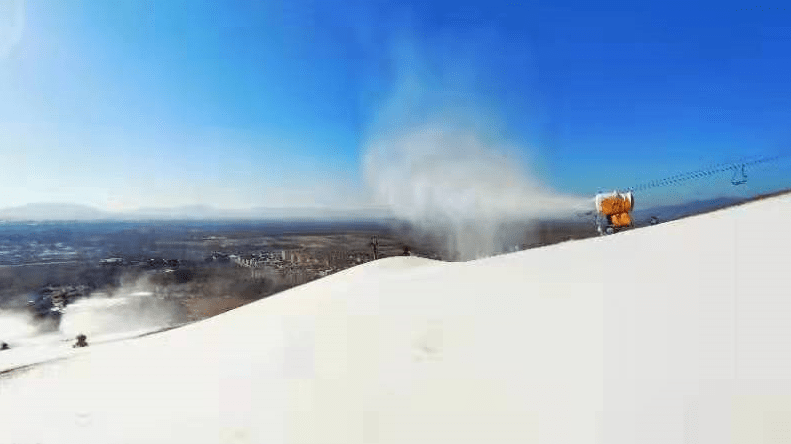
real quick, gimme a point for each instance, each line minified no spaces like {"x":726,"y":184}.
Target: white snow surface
{"x":675,"y":333}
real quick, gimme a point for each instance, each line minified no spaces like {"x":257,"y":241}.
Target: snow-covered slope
{"x":675,"y":333}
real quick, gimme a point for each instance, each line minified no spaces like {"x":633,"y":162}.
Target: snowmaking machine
{"x":613,"y":211}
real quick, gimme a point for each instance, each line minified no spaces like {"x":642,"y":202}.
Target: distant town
{"x":198,"y":268}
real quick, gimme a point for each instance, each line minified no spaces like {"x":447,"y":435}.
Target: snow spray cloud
{"x":437,"y":161}
{"x":15,"y":325}
{"x":133,"y":308}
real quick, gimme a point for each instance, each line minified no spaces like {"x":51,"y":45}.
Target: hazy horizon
{"x":69,"y":211}
{"x":44,"y":211}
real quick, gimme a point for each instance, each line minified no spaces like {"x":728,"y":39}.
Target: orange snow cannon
{"x":614,"y":211}
{"x":610,"y":206}
{"x":621,"y":220}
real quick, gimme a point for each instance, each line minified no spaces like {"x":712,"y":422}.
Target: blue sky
{"x":154,"y":103}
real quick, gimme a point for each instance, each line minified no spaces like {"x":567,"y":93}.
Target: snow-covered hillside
{"x":675,"y":333}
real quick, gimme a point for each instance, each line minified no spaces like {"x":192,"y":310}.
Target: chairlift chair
{"x":739,"y":177}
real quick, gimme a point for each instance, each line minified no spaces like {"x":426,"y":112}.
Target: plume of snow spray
{"x":437,"y":162}
{"x":15,"y":325}
{"x":132,"y":308}
{"x":121,"y":314}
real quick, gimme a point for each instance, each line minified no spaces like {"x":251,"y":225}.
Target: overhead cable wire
{"x":705,"y":172}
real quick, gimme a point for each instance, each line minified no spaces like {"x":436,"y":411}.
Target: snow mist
{"x":438,"y":162}
{"x":15,"y":325}
{"x":125,"y":314}
{"x":134,"y":308}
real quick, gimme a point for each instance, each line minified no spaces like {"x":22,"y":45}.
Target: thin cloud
{"x":12,"y":25}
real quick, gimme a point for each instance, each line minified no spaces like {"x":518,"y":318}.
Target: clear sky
{"x":247,"y":103}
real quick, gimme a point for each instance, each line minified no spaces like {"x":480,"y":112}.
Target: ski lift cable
{"x":705,"y":172}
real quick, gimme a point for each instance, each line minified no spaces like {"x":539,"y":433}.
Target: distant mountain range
{"x":52,"y":211}
{"x":74,"y":212}
{"x":672,"y":212}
